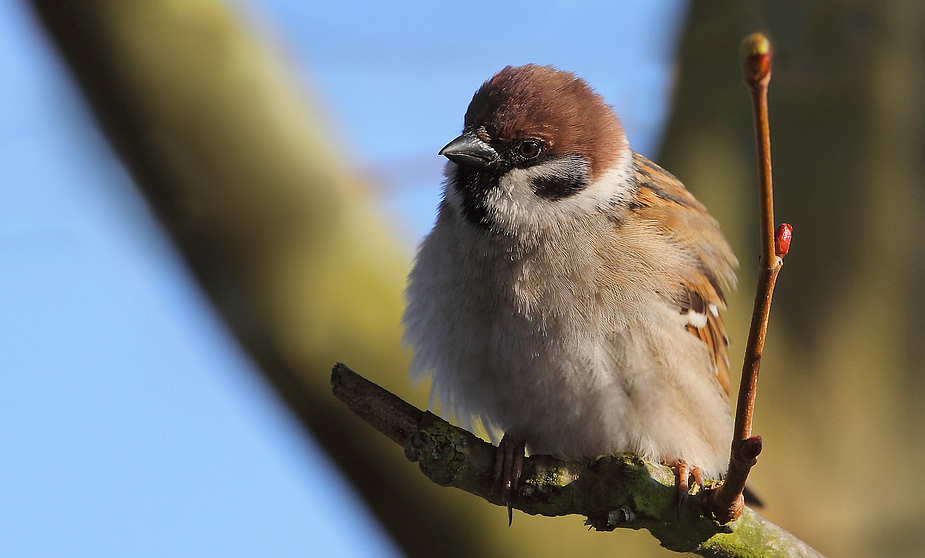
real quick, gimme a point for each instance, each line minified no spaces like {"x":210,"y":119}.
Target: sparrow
{"x":569,"y":292}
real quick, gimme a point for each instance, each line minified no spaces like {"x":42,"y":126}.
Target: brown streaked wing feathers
{"x":663,"y":198}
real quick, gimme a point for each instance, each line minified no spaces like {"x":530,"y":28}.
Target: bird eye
{"x":529,"y":149}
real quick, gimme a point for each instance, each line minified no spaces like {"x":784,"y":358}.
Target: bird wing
{"x":663,"y":199}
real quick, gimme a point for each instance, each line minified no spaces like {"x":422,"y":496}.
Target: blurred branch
{"x":622,"y":491}
{"x":219,"y":138}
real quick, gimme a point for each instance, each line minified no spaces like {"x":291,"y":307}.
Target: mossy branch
{"x":621,"y":491}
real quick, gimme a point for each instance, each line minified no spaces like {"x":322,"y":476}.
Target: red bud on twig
{"x":782,"y":240}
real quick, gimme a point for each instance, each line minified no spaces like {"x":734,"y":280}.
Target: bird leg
{"x":509,"y":462}
{"x":698,"y":477}
{"x":684,"y":472}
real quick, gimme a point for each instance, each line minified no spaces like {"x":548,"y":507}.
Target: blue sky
{"x":130,"y":422}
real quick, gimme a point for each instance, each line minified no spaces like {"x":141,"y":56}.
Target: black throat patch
{"x":473,"y":186}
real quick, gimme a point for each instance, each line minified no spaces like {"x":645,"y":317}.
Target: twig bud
{"x":751,"y":447}
{"x":756,"y":58}
{"x":782,"y":240}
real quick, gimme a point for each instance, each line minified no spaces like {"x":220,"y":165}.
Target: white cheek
{"x":513,"y":200}
{"x":516,"y":208}
{"x":615,"y":185}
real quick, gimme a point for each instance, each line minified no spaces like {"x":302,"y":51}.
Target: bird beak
{"x":469,"y":150}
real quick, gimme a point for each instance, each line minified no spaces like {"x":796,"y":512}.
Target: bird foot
{"x":509,"y":462}
{"x":685,"y":472}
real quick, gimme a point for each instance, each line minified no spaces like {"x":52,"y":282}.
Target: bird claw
{"x":509,"y":462}
{"x":684,"y":472}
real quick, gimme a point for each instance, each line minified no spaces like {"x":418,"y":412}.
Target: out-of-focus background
{"x":204,"y":205}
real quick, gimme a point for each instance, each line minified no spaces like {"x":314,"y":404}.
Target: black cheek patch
{"x":567,"y":180}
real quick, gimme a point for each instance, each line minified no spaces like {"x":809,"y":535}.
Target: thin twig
{"x":756,"y":55}
{"x":726,"y":502}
